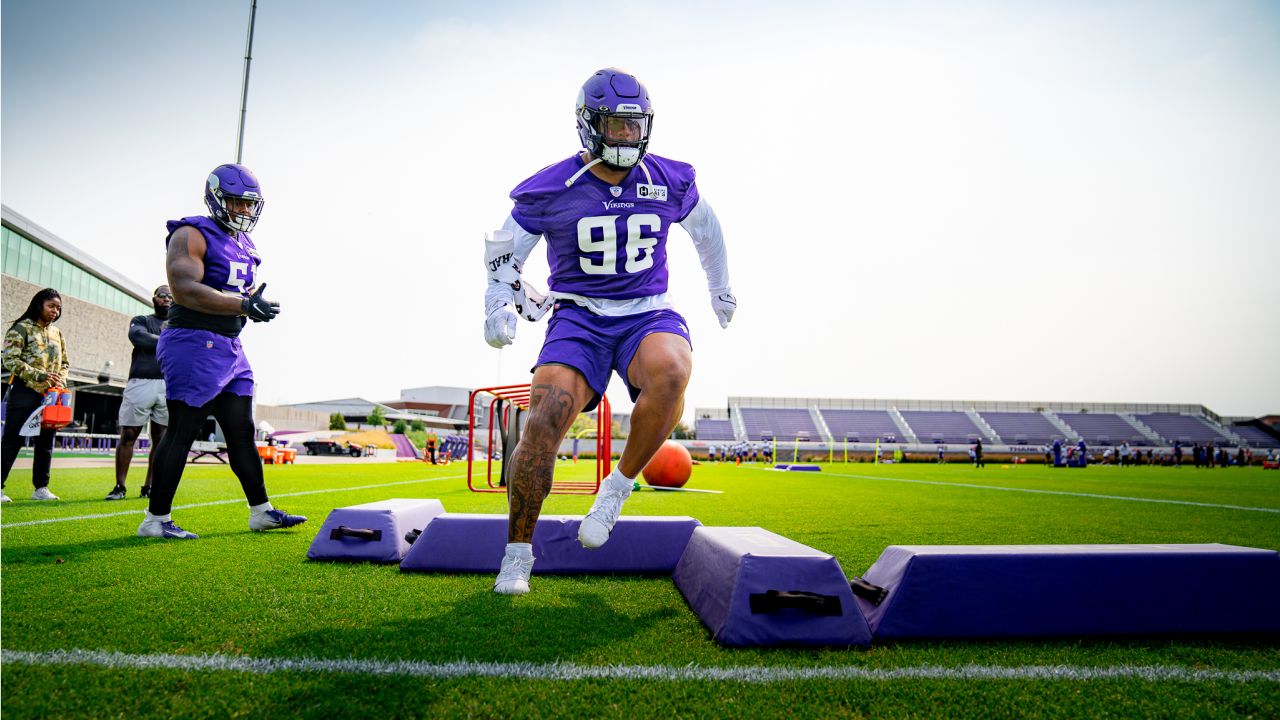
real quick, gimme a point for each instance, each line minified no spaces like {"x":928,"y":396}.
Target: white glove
{"x":723,"y":303}
{"x":500,"y":326}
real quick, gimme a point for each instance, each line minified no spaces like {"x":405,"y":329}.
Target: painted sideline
{"x":228,"y":502}
{"x":1051,"y":492}
{"x":681,"y":673}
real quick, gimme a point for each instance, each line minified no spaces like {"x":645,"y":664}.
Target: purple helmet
{"x":233,"y":181}
{"x":614,"y":118}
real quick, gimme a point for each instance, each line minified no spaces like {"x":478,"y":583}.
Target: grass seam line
{"x":122,"y":513}
{"x":1051,"y":492}
{"x":558,"y":671}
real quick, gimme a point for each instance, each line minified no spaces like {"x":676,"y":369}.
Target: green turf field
{"x":590,"y":646}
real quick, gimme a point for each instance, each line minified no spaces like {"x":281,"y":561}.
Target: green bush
{"x":417,"y":426}
{"x":336,"y":422}
{"x":400,"y":427}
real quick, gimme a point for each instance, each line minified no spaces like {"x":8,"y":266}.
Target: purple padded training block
{"x":971,"y":591}
{"x":372,"y":532}
{"x":462,"y":542}
{"x":751,"y":587}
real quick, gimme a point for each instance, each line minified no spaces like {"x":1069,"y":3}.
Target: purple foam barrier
{"x":983,"y":591}
{"x":462,"y":542}
{"x":372,"y":532}
{"x":751,"y":587}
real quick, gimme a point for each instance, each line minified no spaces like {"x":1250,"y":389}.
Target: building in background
{"x":97,"y":304}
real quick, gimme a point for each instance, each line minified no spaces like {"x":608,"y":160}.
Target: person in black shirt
{"x":144,"y":397}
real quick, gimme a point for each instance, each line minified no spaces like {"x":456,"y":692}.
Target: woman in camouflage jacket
{"x":35,"y":355}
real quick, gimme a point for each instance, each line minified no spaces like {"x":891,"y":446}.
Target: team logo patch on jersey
{"x":615,"y":191}
{"x":651,"y":192}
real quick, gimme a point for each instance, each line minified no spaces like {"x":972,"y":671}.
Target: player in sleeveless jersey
{"x":605,"y":215}
{"x":212,"y":265}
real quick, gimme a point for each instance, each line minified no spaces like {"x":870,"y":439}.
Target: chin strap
{"x":569,"y":183}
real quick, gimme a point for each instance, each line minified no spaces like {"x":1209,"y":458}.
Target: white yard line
{"x":670,"y":673}
{"x":1049,"y":492}
{"x":227,"y":502}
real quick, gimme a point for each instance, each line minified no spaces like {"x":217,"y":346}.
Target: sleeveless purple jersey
{"x":606,"y":241}
{"x":230,"y":262}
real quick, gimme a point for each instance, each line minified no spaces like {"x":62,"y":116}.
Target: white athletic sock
{"x":617,"y":480}
{"x":524,"y":551}
{"x":162,"y":518}
{"x":259,"y":509}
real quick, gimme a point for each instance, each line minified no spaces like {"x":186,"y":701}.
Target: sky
{"x":1057,"y":201}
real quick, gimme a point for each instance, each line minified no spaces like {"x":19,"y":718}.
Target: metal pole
{"x":244,"y":87}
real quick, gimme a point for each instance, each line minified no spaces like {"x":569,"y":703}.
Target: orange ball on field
{"x":670,"y":467}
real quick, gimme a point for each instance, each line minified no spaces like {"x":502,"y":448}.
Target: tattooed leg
{"x":557,"y":396}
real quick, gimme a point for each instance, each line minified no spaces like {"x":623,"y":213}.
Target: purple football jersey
{"x":606,"y":241}
{"x":230,"y":263}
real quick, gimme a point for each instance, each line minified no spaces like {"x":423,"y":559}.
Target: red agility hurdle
{"x":506,"y":403}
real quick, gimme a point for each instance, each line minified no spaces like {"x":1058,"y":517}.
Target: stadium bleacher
{"x":710,"y":429}
{"x":861,"y":425}
{"x":780,"y":423}
{"x":1022,"y":428}
{"x":1255,"y":437}
{"x":932,"y":426}
{"x":1103,"y":428}
{"x":1185,"y":428}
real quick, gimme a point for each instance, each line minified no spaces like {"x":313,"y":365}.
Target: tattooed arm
{"x":184,"y":266}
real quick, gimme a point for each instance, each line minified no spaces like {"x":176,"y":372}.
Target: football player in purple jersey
{"x":605,"y":214}
{"x":212,"y":265}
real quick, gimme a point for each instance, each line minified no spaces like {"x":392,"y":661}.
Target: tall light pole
{"x":244,"y":88}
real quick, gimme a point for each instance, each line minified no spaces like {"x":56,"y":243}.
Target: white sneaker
{"x":43,"y":494}
{"x":594,"y":529}
{"x":513,"y":576}
{"x":153,"y":526}
{"x":5,"y":498}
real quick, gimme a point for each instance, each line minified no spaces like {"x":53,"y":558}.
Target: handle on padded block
{"x":873,"y":594}
{"x":775,"y":600}
{"x":342,"y":531}
{"x":412,"y":535}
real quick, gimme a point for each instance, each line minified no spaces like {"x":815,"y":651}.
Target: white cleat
{"x":43,"y":494}
{"x":594,"y":529}
{"x":5,"y":498}
{"x":513,"y":576}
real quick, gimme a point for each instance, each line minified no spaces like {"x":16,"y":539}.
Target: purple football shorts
{"x":200,"y":364}
{"x":597,"y":345}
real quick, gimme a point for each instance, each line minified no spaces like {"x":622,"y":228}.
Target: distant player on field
{"x":605,"y":214}
{"x":212,"y":266}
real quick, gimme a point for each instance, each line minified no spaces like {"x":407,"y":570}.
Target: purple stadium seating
{"x":708,"y":429}
{"x":1022,"y":428}
{"x":1104,"y":428}
{"x":780,"y":423}
{"x":1255,"y":437}
{"x":861,"y":425}
{"x":942,"y":427}
{"x":1186,"y":428}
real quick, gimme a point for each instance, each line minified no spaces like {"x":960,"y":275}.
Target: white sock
{"x":259,"y":509}
{"x":524,"y":551}
{"x":617,"y":479}
{"x":161,"y":518}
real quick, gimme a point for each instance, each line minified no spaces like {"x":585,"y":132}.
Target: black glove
{"x":258,"y":308}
